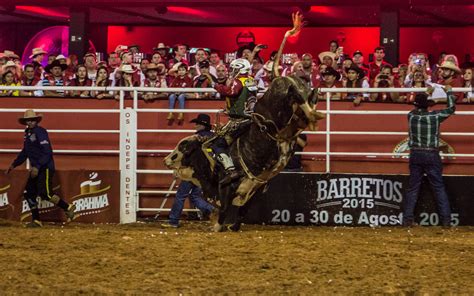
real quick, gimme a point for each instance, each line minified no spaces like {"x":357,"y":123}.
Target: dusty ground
{"x":145,"y":259}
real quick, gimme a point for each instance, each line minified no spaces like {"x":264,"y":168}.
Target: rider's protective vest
{"x":239,"y":106}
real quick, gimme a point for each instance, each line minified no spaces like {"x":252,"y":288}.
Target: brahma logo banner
{"x":96,"y":196}
{"x":6,"y":209}
{"x":93,"y":198}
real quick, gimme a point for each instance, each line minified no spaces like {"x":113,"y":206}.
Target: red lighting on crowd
{"x":42,"y":11}
{"x":320,"y":9}
{"x":190,"y":11}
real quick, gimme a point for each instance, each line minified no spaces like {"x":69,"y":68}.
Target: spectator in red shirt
{"x":28,"y":79}
{"x":376,"y":66}
{"x":80,"y":80}
{"x":113,"y":61}
{"x":156,"y":58}
{"x":144,"y":65}
{"x":51,"y":58}
{"x":179,"y":51}
{"x":215,"y":59}
{"x":331,"y":79}
{"x":163,"y":51}
{"x":102,"y":80}
{"x":309,"y":69}
{"x":37,"y":57}
{"x":333,"y":46}
{"x":358,"y":59}
{"x":181,"y":80}
{"x":450,"y":75}
{"x":90,"y":62}
{"x":155,"y":79}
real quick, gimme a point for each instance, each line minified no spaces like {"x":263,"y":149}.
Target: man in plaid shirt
{"x":424,"y":155}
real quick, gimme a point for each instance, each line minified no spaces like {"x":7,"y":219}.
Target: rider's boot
{"x":228,"y":164}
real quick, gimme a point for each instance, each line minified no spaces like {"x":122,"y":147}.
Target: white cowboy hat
{"x":37,"y":51}
{"x":61,"y":57}
{"x":269,"y":66}
{"x":30,"y":115}
{"x":10,"y":54}
{"x":8,"y":64}
{"x":327,"y":54}
{"x":126,"y":68}
{"x":450,"y":65}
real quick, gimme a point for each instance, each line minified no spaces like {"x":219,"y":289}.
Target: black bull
{"x":261,"y":153}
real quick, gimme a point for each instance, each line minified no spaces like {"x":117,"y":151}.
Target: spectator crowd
{"x":178,"y":67}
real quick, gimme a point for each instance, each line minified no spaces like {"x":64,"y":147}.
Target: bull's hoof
{"x":234,"y":227}
{"x":218,"y":227}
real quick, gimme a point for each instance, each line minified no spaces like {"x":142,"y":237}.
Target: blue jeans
{"x":428,"y":162}
{"x":186,"y":189}
{"x":172,"y":100}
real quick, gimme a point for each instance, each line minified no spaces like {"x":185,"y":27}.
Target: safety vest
{"x":237,"y":106}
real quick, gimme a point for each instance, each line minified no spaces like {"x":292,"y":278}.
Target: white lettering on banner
{"x":363,"y":218}
{"x":360,"y":188}
{"x":4,"y":200}
{"x":128,"y":166}
{"x":42,"y":204}
{"x":91,"y":203}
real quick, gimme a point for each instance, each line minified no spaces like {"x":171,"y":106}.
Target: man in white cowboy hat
{"x":37,"y":57}
{"x":450,"y":75}
{"x":37,"y":149}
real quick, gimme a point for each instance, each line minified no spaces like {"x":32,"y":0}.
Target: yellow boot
{"x":170,"y":116}
{"x":180,"y":117}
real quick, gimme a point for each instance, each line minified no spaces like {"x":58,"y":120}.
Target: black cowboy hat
{"x":202,"y":119}
{"x":422,"y":101}
{"x":331,"y":71}
{"x":55,"y":63}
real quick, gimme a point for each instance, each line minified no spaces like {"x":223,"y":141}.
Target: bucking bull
{"x":260,"y":153}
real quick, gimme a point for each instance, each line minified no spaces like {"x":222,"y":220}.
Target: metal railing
{"x":135,"y":90}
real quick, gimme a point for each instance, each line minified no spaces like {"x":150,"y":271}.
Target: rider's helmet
{"x":240,"y":66}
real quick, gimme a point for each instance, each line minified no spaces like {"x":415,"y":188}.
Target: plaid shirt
{"x":424,"y":125}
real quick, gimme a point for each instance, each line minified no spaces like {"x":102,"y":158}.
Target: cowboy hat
{"x":202,"y":119}
{"x":55,"y":63}
{"x":61,"y":57}
{"x":160,"y":68}
{"x":37,"y":51}
{"x":30,"y":115}
{"x":451,"y":66}
{"x":7,"y":65}
{"x":160,"y":45}
{"x":330,"y":54}
{"x":331,"y":71}
{"x":126,"y":68}
{"x":10,"y":54}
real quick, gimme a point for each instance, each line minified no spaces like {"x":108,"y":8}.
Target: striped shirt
{"x":424,"y":125}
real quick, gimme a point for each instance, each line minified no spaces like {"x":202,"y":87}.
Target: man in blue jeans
{"x":424,"y":155}
{"x":185,"y":189}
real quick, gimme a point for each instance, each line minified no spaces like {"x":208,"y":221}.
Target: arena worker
{"x":188,"y":189}
{"x":424,"y":129}
{"x":37,"y":149}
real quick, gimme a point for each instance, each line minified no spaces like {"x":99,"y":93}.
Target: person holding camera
{"x":384,"y":79}
{"x":376,"y":66}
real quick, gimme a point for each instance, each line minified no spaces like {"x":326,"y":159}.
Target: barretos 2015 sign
{"x":355,"y":200}
{"x":96,"y":195}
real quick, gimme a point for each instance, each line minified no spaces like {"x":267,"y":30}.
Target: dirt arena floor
{"x":268,"y":260}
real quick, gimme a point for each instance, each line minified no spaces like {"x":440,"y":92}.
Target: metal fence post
{"x":328,"y":132}
{"x":128,"y":165}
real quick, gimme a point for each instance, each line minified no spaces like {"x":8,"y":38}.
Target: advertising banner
{"x":96,"y":195}
{"x":355,"y":200}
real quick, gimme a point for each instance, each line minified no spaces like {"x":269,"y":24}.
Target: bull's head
{"x":306,"y":100}
{"x":179,"y":159}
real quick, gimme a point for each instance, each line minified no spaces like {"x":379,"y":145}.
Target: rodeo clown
{"x":240,"y":93}
{"x":37,"y":148}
